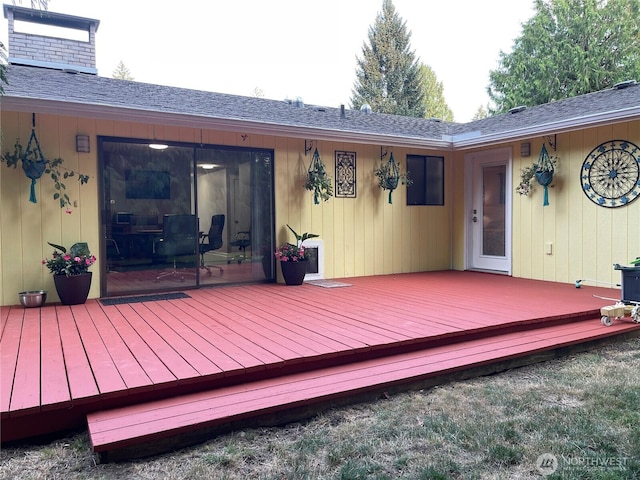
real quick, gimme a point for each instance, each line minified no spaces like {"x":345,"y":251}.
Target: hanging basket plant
{"x":389,"y":176}
{"x":317,"y":180}
{"x":34,"y":165}
{"x":542,"y":171}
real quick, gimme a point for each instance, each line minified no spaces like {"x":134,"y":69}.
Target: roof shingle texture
{"x":55,"y":85}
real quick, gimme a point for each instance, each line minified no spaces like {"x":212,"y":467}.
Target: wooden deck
{"x":288,"y":347}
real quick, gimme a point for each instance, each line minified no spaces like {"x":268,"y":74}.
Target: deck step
{"x":118,"y":430}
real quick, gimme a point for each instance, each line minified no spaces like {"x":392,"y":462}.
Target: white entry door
{"x":489,"y":210}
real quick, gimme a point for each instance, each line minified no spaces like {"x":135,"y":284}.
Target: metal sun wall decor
{"x":345,"y":174}
{"x":610,"y":174}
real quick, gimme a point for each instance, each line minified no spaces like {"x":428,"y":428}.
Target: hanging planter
{"x":34,"y":165}
{"x":544,"y":173}
{"x":317,"y":180}
{"x":389,"y":176}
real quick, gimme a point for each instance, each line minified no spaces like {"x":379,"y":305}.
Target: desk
{"x":137,"y":245}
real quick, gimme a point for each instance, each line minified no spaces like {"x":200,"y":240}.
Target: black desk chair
{"x":179,"y":239}
{"x":242,"y":241}
{"x":214,"y":241}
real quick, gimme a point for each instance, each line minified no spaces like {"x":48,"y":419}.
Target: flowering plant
{"x":288,"y":252}
{"x":75,"y":262}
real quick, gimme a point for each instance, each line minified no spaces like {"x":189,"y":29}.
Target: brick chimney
{"x":40,"y":50}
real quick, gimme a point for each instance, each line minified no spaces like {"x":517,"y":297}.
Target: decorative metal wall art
{"x":610,"y":174}
{"x":345,"y":174}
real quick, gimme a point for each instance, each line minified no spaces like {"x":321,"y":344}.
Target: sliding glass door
{"x":184,"y":216}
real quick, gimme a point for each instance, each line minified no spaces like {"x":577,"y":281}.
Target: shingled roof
{"x":54,"y":91}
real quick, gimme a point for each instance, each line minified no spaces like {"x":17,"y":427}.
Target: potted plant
{"x":542,"y":171}
{"x":389,"y":176}
{"x":34,"y":165}
{"x":70,"y":270}
{"x":293,"y":258}
{"x":317,"y":180}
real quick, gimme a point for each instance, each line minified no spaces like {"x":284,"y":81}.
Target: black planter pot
{"x":293,"y":272}
{"x":73,"y":290}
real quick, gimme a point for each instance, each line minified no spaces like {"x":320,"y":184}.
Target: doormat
{"x":328,"y":283}
{"x":143,"y":298}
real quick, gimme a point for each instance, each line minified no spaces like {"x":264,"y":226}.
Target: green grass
{"x":583,"y":409}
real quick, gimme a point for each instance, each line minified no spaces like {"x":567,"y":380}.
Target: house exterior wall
{"x":586,"y":239}
{"x":362,"y":236}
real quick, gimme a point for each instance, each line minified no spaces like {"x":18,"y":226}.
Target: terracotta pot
{"x":73,"y":290}
{"x":294,"y":272}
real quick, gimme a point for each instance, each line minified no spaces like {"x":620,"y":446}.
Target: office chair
{"x":242,"y":241}
{"x":178,"y":239}
{"x":214,"y":241}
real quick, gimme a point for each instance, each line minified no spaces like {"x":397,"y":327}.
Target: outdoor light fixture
{"x":82,"y":144}
{"x":207,"y":166}
{"x":155,"y":144}
{"x":525,"y":149}
{"x":158,"y":146}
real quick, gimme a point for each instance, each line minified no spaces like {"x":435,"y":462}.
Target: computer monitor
{"x":123,"y":218}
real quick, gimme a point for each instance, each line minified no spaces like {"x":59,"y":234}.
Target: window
{"x":427,"y":175}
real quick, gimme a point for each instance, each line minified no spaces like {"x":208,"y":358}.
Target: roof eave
{"x":465,"y":141}
{"x":109,"y":112}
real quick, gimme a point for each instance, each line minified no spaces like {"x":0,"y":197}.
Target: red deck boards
{"x":26,"y":382}
{"x":9,"y":347}
{"x":53,"y":376}
{"x":121,"y":427}
{"x":95,"y":356}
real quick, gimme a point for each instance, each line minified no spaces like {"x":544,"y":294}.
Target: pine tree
{"x":122,"y":72}
{"x":480,"y":113}
{"x":435,"y":105}
{"x":388,"y":76}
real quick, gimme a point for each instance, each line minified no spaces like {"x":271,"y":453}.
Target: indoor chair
{"x":214,"y":241}
{"x":242,"y":241}
{"x":178,"y":240}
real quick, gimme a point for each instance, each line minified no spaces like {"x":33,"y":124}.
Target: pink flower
{"x":66,"y":257}
{"x":44,"y":261}
{"x":69,"y":211}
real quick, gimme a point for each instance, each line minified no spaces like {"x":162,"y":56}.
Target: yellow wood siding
{"x":587,"y":239}
{"x":362,"y":236}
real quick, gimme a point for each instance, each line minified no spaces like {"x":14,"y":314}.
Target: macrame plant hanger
{"x":393,"y":176}
{"x":316,"y":168}
{"x":33,"y":161}
{"x":544,"y":173}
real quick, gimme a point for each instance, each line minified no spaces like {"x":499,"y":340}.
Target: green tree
{"x":388,"y":76}
{"x":122,"y":72}
{"x":568,"y":48}
{"x":435,"y":106}
{"x":480,"y":113}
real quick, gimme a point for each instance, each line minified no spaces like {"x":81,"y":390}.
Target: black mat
{"x":143,"y":298}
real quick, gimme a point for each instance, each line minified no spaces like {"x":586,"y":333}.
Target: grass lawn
{"x":573,"y":418}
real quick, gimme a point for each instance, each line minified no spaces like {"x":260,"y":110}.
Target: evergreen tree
{"x":388,"y":75}
{"x":435,"y":106}
{"x":568,"y":48}
{"x":480,"y":113}
{"x":122,"y":72}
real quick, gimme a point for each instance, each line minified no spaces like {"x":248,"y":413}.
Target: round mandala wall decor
{"x":610,"y":174}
